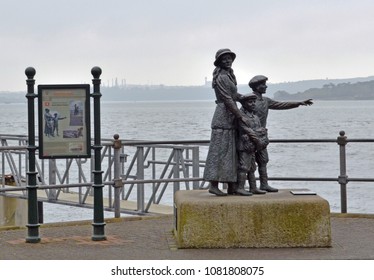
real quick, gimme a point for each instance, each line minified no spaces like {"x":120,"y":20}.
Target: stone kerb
{"x":261,"y":221}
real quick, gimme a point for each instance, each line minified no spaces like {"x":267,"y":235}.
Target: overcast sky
{"x":174,"y":42}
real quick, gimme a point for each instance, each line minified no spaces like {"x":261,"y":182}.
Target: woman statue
{"x":221,"y":162}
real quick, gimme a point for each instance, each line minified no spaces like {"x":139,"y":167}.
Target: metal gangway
{"x":129,"y":167}
{"x":140,"y":177}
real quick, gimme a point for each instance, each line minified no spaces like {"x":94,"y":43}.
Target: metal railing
{"x":139,"y":170}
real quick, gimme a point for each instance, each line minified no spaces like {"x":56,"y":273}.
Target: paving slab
{"x":151,"y":238}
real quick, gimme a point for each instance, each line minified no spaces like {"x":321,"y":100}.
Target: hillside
{"x":330,"y":91}
{"x":153,"y":93}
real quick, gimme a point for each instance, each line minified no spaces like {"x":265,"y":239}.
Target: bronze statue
{"x":221,"y":162}
{"x":247,"y":148}
{"x":263,"y":104}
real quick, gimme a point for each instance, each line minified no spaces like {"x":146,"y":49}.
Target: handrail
{"x":145,"y":152}
{"x":12,"y":148}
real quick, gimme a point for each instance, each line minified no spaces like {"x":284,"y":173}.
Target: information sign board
{"x":64,"y":121}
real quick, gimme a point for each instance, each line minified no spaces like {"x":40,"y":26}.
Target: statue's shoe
{"x":216,"y":191}
{"x":257,"y":191}
{"x":241,"y":192}
{"x":268,"y":189}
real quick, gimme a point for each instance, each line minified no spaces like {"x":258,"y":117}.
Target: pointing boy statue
{"x":262,"y":106}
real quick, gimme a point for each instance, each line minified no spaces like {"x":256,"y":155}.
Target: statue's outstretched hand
{"x":307,"y":102}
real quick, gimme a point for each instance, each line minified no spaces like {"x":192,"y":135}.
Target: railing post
{"x":140,"y":176}
{"x":176,"y":187}
{"x":2,"y":169}
{"x":177,"y":159}
{"x":118,"y":184}
{"x":98,"y":221}
{"x":154,"y":171}
{"x":343,"y":178}
{"x":52,"y":194}
{"x":33,"y":216}
{"x":122,"y":159}
{"x":195,"y":166}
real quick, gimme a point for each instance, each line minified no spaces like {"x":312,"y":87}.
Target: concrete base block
{"x":281,"y":219}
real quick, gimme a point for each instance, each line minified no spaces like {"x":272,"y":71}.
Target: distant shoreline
{"x":339,"y":89}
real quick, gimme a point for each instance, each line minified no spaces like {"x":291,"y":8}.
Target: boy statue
{"x":263,"y":104}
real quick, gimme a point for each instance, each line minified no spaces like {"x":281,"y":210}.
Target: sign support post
{"x":98,"y":222}
{"x":33,"y":219}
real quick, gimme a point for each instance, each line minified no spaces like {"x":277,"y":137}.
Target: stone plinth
{"x":259,"y":221}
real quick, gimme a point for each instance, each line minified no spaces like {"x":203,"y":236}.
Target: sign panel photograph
{"x":64,"y":121}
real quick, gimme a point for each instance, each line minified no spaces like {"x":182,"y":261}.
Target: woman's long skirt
{"x":221,"y":162}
